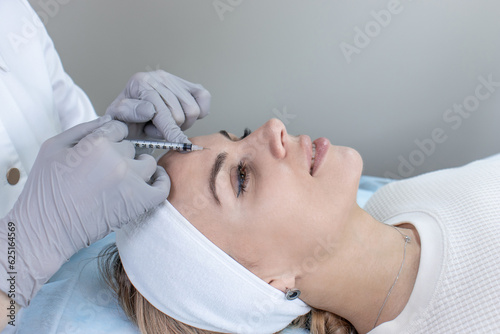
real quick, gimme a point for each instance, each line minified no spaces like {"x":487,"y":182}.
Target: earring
{"x":292,"y":294}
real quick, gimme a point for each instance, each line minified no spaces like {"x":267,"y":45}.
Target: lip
{"x":307,"y":145}
{"x":322,"y":146}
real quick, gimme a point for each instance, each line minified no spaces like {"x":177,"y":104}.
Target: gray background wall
{"x":283,"y":58}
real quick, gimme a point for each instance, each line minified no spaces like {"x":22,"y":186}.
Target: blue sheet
{"x":76,"y":301}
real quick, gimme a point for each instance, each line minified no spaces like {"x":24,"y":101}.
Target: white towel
{"x":184,"y":275}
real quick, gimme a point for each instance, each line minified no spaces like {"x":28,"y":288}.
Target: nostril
{"x":276,"y":134}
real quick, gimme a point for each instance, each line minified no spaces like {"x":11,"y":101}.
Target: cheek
{"x":283,"y":209}
{"x":296,"y":208}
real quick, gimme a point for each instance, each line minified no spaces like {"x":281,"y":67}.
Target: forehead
{"x":189,"y":172}
{"x":186,"y":163}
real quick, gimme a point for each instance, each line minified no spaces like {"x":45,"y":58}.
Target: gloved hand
{"x":84,"y":184}
{"x":158,"y":104}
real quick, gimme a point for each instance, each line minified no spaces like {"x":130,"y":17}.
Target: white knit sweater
{"x":457,"y":215}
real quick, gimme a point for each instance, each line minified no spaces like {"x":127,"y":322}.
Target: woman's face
{"x":257,"y":199}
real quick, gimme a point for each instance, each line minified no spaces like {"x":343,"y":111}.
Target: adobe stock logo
{"x":225,"y":6}
{"x":372,"y":29}
{"x":452,"y":117}
{"x":32,"y":25}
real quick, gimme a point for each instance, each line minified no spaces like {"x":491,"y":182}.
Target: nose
{"x":274,"y":132}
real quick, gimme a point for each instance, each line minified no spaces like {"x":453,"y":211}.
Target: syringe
{"x":181,"y":147}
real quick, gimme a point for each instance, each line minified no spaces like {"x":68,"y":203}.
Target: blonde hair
{"x":152,"y":321}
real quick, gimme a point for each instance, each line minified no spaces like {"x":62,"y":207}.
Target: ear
{"x":282,"y":282}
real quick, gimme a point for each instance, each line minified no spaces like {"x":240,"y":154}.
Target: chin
{"x":350,"y":155}
{"x":351,"y":160}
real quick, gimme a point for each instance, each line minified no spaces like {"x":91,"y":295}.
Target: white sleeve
{"x":72,"y":104}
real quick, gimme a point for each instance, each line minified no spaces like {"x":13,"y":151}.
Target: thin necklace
{"x":407,"y":239}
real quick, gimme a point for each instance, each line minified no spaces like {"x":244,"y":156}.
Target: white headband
{"x":184,"y":275}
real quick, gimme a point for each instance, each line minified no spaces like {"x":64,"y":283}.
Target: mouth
{"x":315,"y":152}
{"x":313,"y":158}
{"x":320,"y":149}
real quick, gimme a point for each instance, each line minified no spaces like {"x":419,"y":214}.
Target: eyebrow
{"x":216,"y":168}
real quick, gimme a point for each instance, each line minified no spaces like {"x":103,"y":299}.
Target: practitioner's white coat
{"x":37,"y":98}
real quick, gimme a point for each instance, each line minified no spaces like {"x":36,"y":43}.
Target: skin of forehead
{"x":190,"y":171}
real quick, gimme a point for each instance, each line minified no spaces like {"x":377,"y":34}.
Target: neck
{"x":354,"y":282}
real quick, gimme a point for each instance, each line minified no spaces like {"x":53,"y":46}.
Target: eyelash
{"x":243,"y":177}
{"x":246,"y":132}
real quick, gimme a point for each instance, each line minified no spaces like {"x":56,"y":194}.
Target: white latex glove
{"x":84,"y":183}
{"x":158,"y":104}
